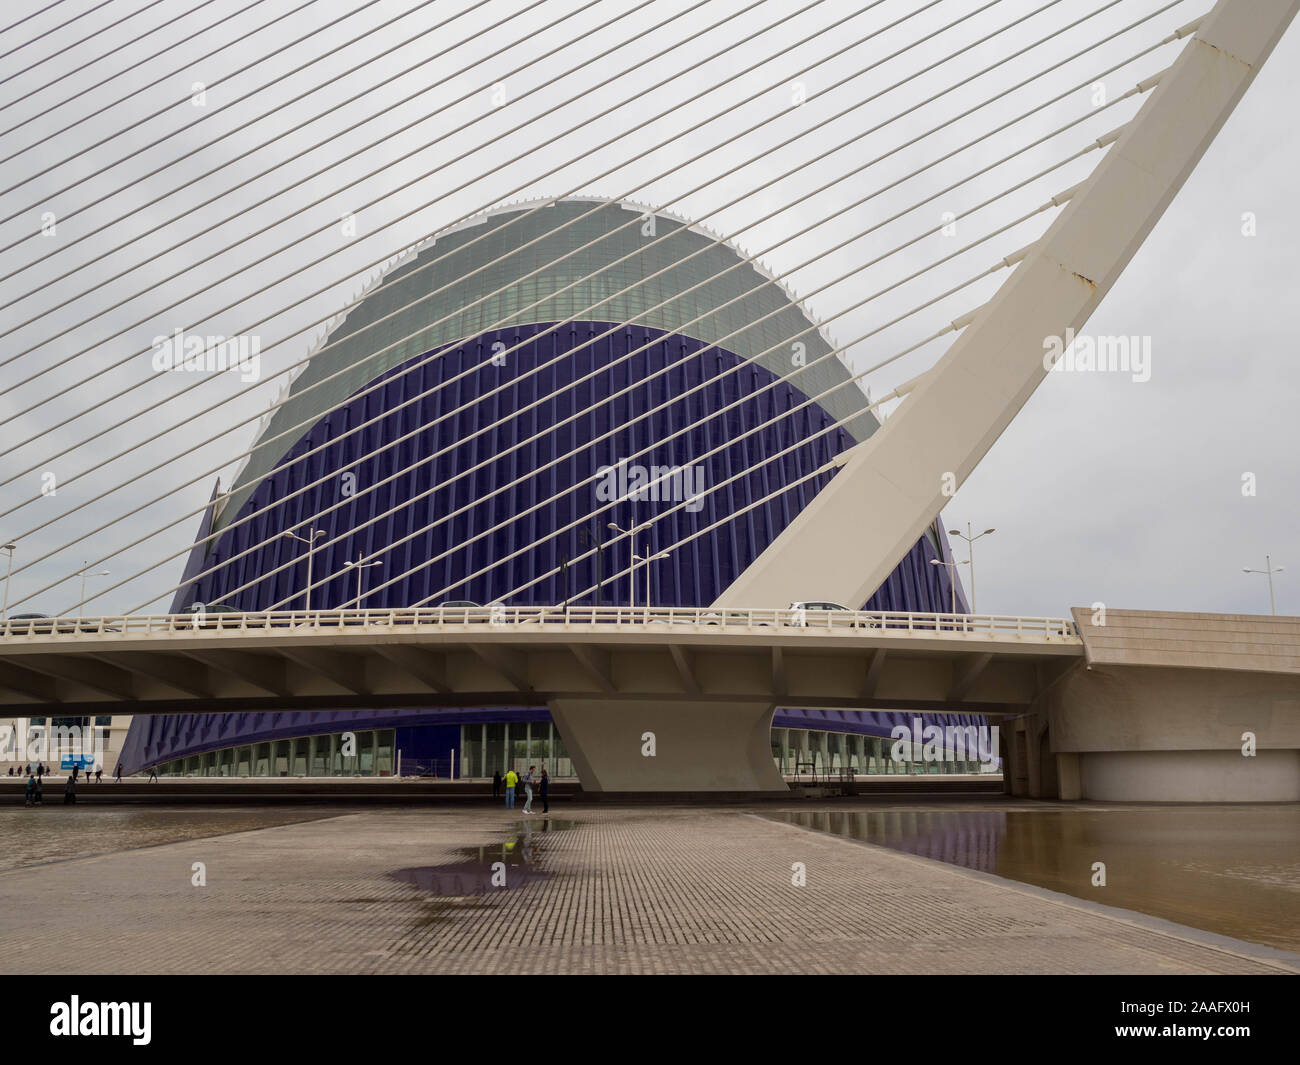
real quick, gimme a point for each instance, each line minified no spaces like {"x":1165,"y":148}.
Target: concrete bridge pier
{"x":643,"y":745}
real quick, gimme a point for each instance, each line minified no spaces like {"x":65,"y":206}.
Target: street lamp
{"x":1269,"y":569}
{"x":647,"y":559}
{"x":970,"y":550}
{"x":358,"y":565}
{"x":631,"y":533}
{"x":591,"y":538}
{"x":4,"y":612}
{"x":310,"y":540}
{"x":84,"y":575}
{"x":952,"y":577}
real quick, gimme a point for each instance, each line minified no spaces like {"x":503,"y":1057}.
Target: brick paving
{"x":635,"y":890}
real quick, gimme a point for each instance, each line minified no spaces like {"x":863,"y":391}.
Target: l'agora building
{"x":459,"y":426}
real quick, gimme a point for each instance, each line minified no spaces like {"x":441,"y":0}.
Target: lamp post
{"x":310,"y":540}
{"x":647,"y":559}
{"x":952,"y":577}
{"x":358,"y":565}
{"x":4,"y":612}
{"x":84,"y":574}
{"x":631,"y":534}
{"x":591,"y":538}
{"x":970,"y":551}
{"x":1269,"y":569}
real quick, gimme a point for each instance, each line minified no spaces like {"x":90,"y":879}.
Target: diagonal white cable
{"x":158,"y":27}
{"x":419,"y":178}
{"x":552,"y":200}
{"x":202,"y":118}
{"x":1000,"y":265}
{"x":838,"y":423}
{"x":89,"y":37}
{"x":157,"y":81}
{"x":641,"y":383}
{"x":948,"y":155}
{"x":53,"y":29}
{"x":27,"y":18}
{"x":826,"y":185}
{"x":333,"y":138}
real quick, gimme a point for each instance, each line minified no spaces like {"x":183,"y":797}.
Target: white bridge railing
{"x":500,"y":616}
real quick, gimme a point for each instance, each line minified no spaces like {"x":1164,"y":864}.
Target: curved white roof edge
{"x":377,"y":279}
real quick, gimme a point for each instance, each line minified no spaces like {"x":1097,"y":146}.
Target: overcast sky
{"x":1103,"y":489}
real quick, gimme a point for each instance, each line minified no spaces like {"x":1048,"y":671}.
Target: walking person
{"x":544,"y":790}
{"x":29,"y":796}
{"x":118,"y":774}
{"x":496,"y":784}
{"x":512,"y":778}
{"x":40,"y":770}
{"x":528,"y":791}
{"x":39,"y":796}
{"x":99,"y":775}
{"x":70,"y":790}
{"x":153,"y":774}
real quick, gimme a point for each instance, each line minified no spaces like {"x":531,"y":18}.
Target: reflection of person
{"x":512,"y":778}
{"x":528,"y":791}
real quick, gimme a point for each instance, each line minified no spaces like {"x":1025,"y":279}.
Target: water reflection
{"x":1234,"y":870}
{"x":483,"y":870}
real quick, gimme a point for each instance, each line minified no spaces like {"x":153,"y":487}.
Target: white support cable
{"x":1005,"y":125}
{"x":333,"y":138}
{"x":53,"y":29}
{"x":27,"y":18}
{"x":1003,"y":263}
{"x":1143,"y":86}
{"x":152,"y":84}
{"x":547,"y":202}
{"x":118,"y":48}
{"x":424,"y":176}
{"x":189,"y":128}
{"x":550,"y":428}
{"x":89,"y":37}
{"x":838,"y":423}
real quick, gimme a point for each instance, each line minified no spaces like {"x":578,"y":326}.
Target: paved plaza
{"x":619,"y":890}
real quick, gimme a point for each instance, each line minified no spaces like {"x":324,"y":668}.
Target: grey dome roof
{"x":539,"y":255}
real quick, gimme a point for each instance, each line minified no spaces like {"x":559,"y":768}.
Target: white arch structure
{"x":847,"y":541}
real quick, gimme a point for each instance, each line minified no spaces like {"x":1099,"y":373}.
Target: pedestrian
{"x":29,"y":796}
{"x":39,"y":797}
{"x":40,"y":770}
{"x":70,"y":791}
{"x":496,"y":784}
{"x":99,"y":774}
{"x":119,"y":772}
{"x":75,"y":770}
{"x":512,"y":778}
{"x":153,"y":774}
{"x":544,"y":790}
{"x":528,"y":791}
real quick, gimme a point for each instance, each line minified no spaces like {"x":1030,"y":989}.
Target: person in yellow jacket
{"x":512,"y":778}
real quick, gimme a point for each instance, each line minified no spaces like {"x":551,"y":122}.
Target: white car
{"x":804,"y":608}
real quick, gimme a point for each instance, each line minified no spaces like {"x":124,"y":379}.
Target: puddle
{"x":504,"y":866}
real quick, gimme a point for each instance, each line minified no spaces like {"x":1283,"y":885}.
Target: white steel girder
{"x":844,"y":544}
